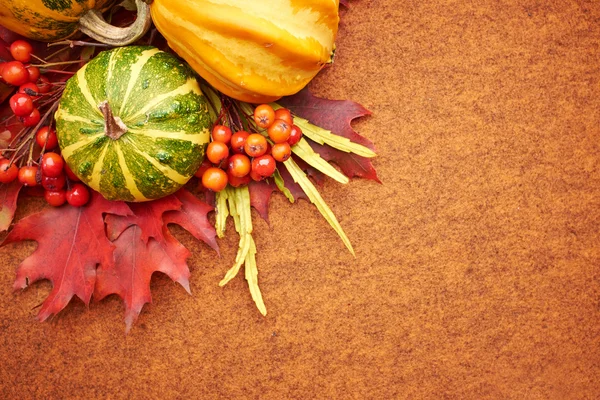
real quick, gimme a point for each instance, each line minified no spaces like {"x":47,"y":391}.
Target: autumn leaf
{"x":135,"y":260}
{"x":9,"y":193}
{"x":193,"y":217}
{"x":260,"y":194}
{"x":148,"y":216}
{"x":71,"y":242}
{"x":335,"y":116}
{"x":145,"y":245}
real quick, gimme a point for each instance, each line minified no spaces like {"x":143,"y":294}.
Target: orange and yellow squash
{"x":255,"y":51}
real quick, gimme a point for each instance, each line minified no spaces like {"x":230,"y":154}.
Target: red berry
{"x":285,"y":115}
{"x":256,"y":145}
{"x":281,"y":151}
{"x":21,"y":50}
{"x":295,"y":135}
{"x":221,"y":133}
{"x":236,"y":182}
{"x":54,"y":183}
{"x":238,"y":140}
{"x":255,"y":177}
{"x":280,"y":131}
{"x":264,"y":115}
{"x":21,"y":104}
{"x":34,"y":73}
{"x":46,"y":136}
{"x":44,"y":84}
{"x":217,"y":152}
{"x":28,"y":175}
{"x":214,"y":179}
{"x":55,"y":198}
{"x":264,"y":165}
{"x":52,"y":165}
{"x":32,"y":119}
{"x":8,"y":171}
{"x":15,"y":73}
{"x":238,"y":165}
{"x":30,"y":89}
{"x":206,"y":164}
{"x":78,"y":195}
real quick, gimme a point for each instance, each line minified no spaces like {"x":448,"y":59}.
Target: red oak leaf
{"x":192,"y":216}
{"x":336,"y":116}
{"x":9,"y":193}
{"x":135,"y":262}
{"x":148,"y":216}
{"x":71,"y":242}
{"x":260,"y":194}
{"x":145,"y":245}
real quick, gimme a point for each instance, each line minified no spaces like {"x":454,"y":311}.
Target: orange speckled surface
{"x":477,"y":269}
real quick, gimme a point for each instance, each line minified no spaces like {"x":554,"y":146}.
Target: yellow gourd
{"x":255,"y":51}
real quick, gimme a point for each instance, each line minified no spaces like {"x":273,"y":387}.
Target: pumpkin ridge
{"x":130,"y":183}
{"x":68,"y":151}
{"x":190,"y":86}
{"x":96,"y":175}
{"x":176,"y":135}
{"x":134,"y":74}
{"x":76,"y":118}
{"x":168,"y":171}
{"x":85,"y":90}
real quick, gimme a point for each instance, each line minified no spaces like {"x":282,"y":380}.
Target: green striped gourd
{"x":133,"y":124}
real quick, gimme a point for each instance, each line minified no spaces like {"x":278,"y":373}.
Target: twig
{"x":73,"y":43}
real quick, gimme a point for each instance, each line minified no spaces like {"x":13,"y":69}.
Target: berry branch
{"x":31,"y":152}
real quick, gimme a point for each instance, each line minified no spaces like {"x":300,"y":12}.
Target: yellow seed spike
{"x":303,"y":150}
{"x":238,"y":198}
{"x":300,"y":178}
{"x":251,"y":271}
{"x":222,"y":212}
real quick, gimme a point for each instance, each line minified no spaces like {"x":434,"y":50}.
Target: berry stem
{"x":57,"y":71}
{"x":45,"y":65}
{"x":32,"y":132}
{"x":73,"y":43}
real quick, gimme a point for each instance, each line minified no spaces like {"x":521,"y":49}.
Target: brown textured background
{"x":477,"y":268}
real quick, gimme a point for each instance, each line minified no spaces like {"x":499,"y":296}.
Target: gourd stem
{"x":95,"y":26}
{"x":114,"y":127}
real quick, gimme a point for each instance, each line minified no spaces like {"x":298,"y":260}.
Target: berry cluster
{"x":236,"y":158}
{"x":50,"y":171}
{"x":53,"y":174}
{"x":28,"y":79}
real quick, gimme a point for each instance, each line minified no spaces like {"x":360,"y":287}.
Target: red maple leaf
{"x":336,"y":116}
{"x":9,"y":193}
{"x":145,"y":245}
{"x":71,"y":242}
